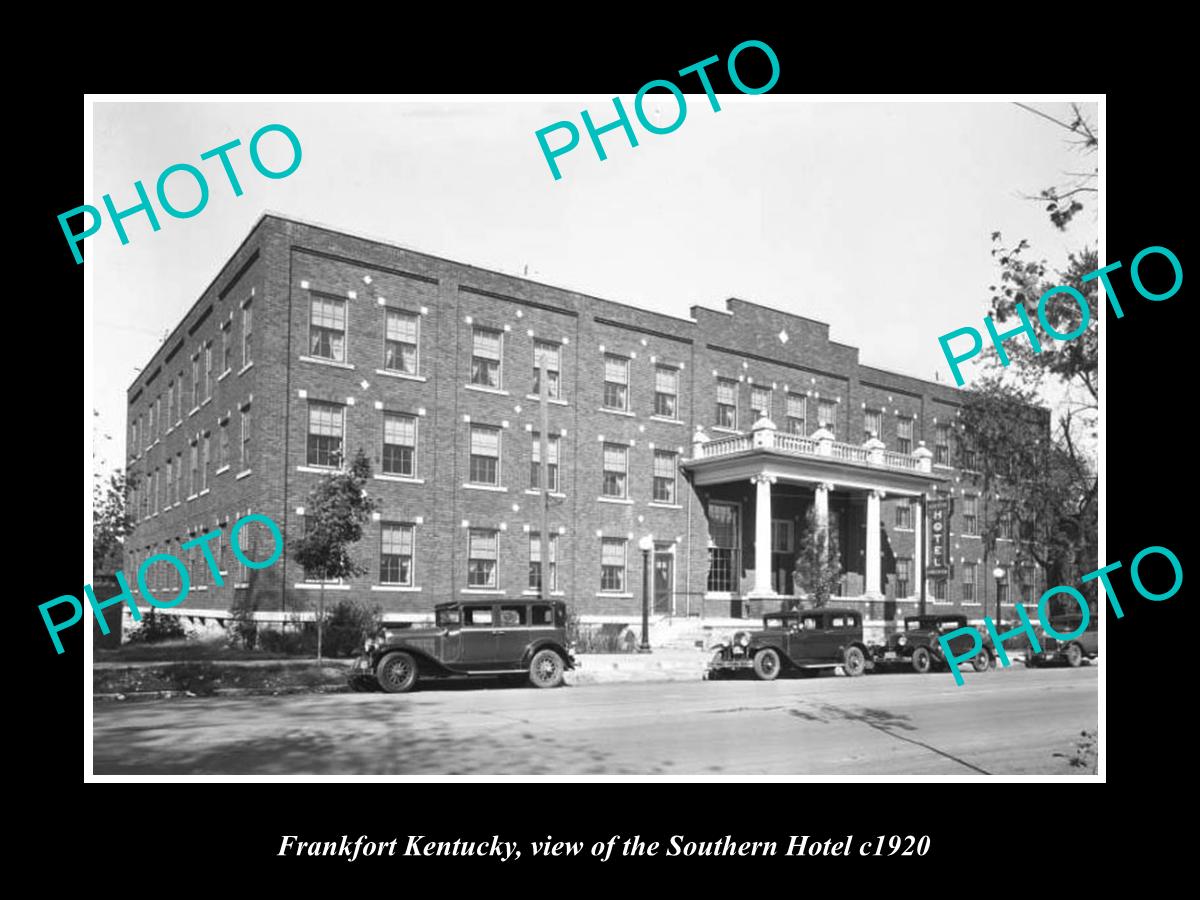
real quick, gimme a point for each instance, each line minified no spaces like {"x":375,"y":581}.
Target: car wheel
{"x":855,"y":662}
{"x":982,"y":662}
{"x":1074,"y":655}
{"x":546,"y":669}
{"x":396,"y":673}
{"x":716,"y":674}
{"x":766,"y":664}
{"x":922,"y":660}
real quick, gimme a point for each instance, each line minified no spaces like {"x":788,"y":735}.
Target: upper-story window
{"x":904,"y":435}
{"x":196,"y":386}
{"x":726,"y":403}
{"x":208,"y":369}
{"x":616,"y":383}
{"x":904,"y":517}
{"x":327,"y":328}
{"x":247,"y":330}
{"x":325,"y":434}
{"x":179,"y":399}
{"x":941,"y":445}
{"x":227,"y":345}
{"x":616,"y":470}
{"x":483,"y":552}
{"x":170,"y":404}
{"x":797,"y":414}
{"x":665,"y":467}
{"x":485,"y":455}
{"x":401,"y":342}
{"x":666,"y":391}
{"x":245,"y":451}
{"x":546,"y":354}
{"x":970,"y":515}
{"x":399,"y":445}
{"x":151,"y":426}
{"x":872,"y":423}
{"x":970,"y":575}
{"x":760,"y":403}
{"x":486,"y":346}
{"x":396,"y":554}
{"x":827,"y":413}
{"x":612,"y":563}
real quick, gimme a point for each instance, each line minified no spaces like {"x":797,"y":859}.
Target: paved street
{"x":1010,"y":721}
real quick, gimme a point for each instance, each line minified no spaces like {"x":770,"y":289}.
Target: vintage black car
{"x":1072,"y":652}
{"x":468,"y":638}
{"x":795,"y":640}
{"x":918,"y":645}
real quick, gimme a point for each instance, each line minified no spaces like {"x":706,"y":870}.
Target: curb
{"x":221,"y":692}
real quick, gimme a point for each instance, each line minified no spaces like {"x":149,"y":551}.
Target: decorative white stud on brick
{"x":774,"y":386}
{"x":299,"y":510}
{"x":504,"y":526}
{"x":742,"y":377}
{"x":379,"y":404}
{"x":599,"y":533}
{"x":366,"y":279}
{"x":783,"y":336}
{"x":303,"y":286}
{"x":349,"y":401}
{"x":466,"y":523}
{"x":566,"y":340}
{"x":381,"y":301}
{"x":507,"y":327}
{"x":562,"y":432}
{"x":644,"y":343}
{"x":520,"y":314}
{"x":516,"y":507}
{"x":466,"y":417}
{"x":468,"y":320}
{"x":420,"y":410}
{"x":750,"y":379}
{"x":864,"y":404}
{"x":424,"y":310}
{"x":599,"y":437}
{"x":651,"y":445}
{"x":641,"y":429}
{"x":714,"y":373}
{"x":601,"y":348}
{"x":420,"y":520}
{"x":562,"y":529}
{"x":529,"y":427}
{"x":633,"y":354}
{"x":629,"y":535}
{"x":251,"y":292}
{"x":641,"y":519}
{"x":525,"y":528}
{"x":303,"y":394}
{"x":813,"y":380}
{"x":633,"y":443}
{"x":365,"y":384}
{"x":745,"y":365}
{"x":654,"y":359}
{"x":838,"y":399}
{"x":679,"y":450}
{"x":889,"y":399}
{"x":375,"y":517}
{"x":529,"y":332}
{"x":504,"y":423}
{"x":353,"y":295}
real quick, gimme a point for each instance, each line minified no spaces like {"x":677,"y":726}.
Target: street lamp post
{"x":998,"y":573}
{"x":646,"y":544}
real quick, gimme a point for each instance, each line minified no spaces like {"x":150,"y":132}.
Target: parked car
{"x":796,"y":640}
{"x":1072,"y":652}
{"x":470,"y":638}
{"x":918,"y":644}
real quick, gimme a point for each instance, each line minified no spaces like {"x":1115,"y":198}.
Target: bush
{"x":600,"y":638}
{"x":300,"y":640}
{"x":155,"y":629}
{"x":243,"y":628}
{"x":348,"y":625}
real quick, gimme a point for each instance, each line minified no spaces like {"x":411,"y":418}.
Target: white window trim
{"x":484,"y":486}
{"x":484,"y":389}
{"x":383,"y":585}
{"x":322,"y":361}
{"x":404,"y":375}
{"x":392,"y":476}
{"x":483,"y":590}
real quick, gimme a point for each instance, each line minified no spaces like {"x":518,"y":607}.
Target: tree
{"x":112,"y":520}
{"x":1063,"y":200}
{"x":818,"y":561}
{"x":337,"y":509}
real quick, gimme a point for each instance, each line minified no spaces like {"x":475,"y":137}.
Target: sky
{"x":873,"y":217}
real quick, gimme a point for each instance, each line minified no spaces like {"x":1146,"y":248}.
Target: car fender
{"x":547,"y":644}
{"x":425,"y":663}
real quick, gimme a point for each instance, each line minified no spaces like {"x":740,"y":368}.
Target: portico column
{"x":918,"y":546}
{"x":873,"y":566}
{"x":762,"y":536}
{"x":822,"y":503}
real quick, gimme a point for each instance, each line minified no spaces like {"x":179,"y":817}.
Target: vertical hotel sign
{"x":939,"y":524}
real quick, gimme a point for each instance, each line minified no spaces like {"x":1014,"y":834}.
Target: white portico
{"x":788,"y":472}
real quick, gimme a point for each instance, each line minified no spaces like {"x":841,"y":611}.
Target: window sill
{"x":1009,"y":540}
{"x":241,"y":585}
{"x":403,"y":479}
{"x":404,"y":375}
{"x":247,"y":367}
{"x":660,"y":505}
{"x":668,"y":420}
{"x":943,"y":466}
{"x":967,"y":534}
{"x":555,"y":400}
{"x":618,"y":500}
{"x":484,"y":389}
{"x":192,"y":497}
{"x":723,"y":430}
{"x":395,"y":588}
{"x":936,"y":602}
{"x":222,"y":469}
{"x":241,"y":475}
{"x":487,"y":591}
{"x":900,"y":528}
{"x":534,"y":492}
{"x":310,"y":586}
{"x":325,"y":362}
{"x":222,"y":376}
{"x":317,"y":470}
{"x":176,"y":503}
{"x":718,"y":595}
{"x":617,"y":412}
{"x":207,"y":400}
{"x":534,"y":592}
{"x":193,"y":411}
{"x":199,"y":587}
{"x":619,"y":595}
{"x":203,"y":492}
{"x":485,"y":487}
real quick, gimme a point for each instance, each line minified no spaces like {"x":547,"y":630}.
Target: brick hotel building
{"x":711,"y":434}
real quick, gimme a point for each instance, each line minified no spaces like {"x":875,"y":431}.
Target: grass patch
{"x":207,"y":678}
{"x":192,"y":650}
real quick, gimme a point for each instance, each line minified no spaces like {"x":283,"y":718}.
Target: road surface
{"x":1010,"y":721}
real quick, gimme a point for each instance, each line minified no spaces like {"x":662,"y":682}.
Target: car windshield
{"x":447,"y":617}
{"x":949,"y":625}
{"x":912,"y":624}
{"x":777,"y":622}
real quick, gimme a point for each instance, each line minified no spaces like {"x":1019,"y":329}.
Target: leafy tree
{"x":818,"y":561}
{"x":1063,"y":200}
{"x":336,"y":512}
{"x":112,"y":520}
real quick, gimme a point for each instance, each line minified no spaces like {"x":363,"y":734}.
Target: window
{"x":904,"y":435}
{"x":781,"y":536}
{"x":247,"y":330}
{"x":227,"y":346}
{"x":396,"y":554}
{"x":968,"y":582}
{"x":827,"y":413}
{"x":723,"y":547}
{"x":170,"y":404}
{"x":546,"y":354}
{"x":941,"y":445}
{"x":150,"y":426}
{"x":478,"y":617}
{"x":726,"y":403}
{"x":133,"y":437}
{"x":205,"y":456}
{"x":1005,"y":526}
{"x":178,"y":475}
{"x":939,"y":589}
{"x":872,"y":423}
{"x":512,"y":616}
{"x":664,"y":476}
{"x":535,"y":561}
{"x":401,"y":342}
{"x":327,"y":328}
{"x":616,"y":468}
{"x":399,"y":445}
{"x":797,"y":414}
{"x":170,"y":485}
{"x":194,"y":479}
{"x":903,"y":576}
{"x":616,"y":383}
{"x":970,"y":456}
{"x":245,"y":457}
{"x":543,"y":614}
{"x":535,"y":467}
{"x":223,"y":446}
{"x":485,"y":455}
{"x":196,"y":380}
{"x":179,"y":399}
{"x":612,"y":564}
{"x":485,"y":357}
{"x":970,"y":515}
{"x":482,"y":553}
{"x":666,"y":391}
{"x":155,"y":504}
{"x":760,"y":403}
{"x":324,"y":434}
{"x":208,"y":364}
{"x":904,"y":517}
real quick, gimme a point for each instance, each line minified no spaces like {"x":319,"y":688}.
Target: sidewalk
{"x":665,"y":664}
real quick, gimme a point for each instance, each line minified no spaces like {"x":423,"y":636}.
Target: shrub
{"x":155,"y":629}
{"x":348,"y":625}
{"x":243,"y":628}
{"x":600,"y":638}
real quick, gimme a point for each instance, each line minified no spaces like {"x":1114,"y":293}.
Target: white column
{"x":918,"y":545}
{"x":822,"y":503}
{"x":762,"y":536}
{"x":873,"y":567}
